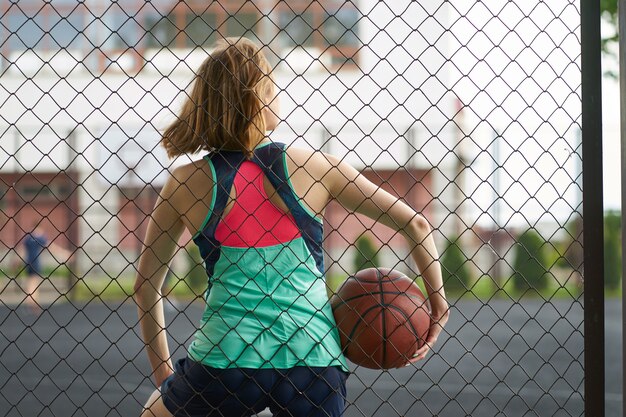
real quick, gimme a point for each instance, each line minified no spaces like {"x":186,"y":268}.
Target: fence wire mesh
{"x":467,"y":112}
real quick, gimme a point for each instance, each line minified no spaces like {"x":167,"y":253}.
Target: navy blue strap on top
{"x":272,"y":161}
{"x":225,"y":166}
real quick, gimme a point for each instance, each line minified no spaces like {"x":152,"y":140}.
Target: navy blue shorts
{"x":33,"y":268}
{"x":198,"y":390}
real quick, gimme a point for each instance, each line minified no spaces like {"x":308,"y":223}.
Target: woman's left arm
{"x":164,"y":229}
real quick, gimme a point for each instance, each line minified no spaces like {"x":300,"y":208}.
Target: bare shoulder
{"x":317,"y":176}
{"x":189,"y":182}
{"x":316,"y":163}
{"x":194,"y":170}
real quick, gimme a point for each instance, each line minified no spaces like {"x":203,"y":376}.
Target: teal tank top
{"x":266,"y":306}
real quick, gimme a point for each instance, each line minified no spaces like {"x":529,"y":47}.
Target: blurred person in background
{"x":30,"y":250}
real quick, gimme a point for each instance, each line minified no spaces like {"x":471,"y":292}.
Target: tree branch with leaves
{"x":608,"y":9}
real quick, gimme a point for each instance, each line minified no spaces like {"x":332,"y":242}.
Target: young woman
{"x":254,"y":207}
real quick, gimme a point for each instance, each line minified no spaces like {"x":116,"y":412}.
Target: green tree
{"x":196,"y":276}
{"x":530,"y":263}
{"x":454,"y":270}
{"x":609,"y":14}
{"x":572,"y":248}
{"x":612,"y":250}
{"x":365,"y":255}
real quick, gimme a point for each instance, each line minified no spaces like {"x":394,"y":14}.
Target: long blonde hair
{"x":224,"y":109}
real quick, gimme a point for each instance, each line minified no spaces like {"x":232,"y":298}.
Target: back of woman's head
{"x":224,"y":109}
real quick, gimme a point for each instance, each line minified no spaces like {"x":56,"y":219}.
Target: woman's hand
{"x":439,"y":318}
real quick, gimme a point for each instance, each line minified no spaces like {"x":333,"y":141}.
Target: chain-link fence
{"x":468,"y":112}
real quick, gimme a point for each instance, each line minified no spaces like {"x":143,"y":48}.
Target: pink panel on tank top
{"x":253,"y":220}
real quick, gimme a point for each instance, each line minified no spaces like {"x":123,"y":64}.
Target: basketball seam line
{"x":383,"y":321}
{"x":356,"y":297}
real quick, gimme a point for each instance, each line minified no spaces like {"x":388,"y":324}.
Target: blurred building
{"x":86,"y":88}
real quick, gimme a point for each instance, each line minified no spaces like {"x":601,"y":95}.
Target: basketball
{"x":382,"y":316}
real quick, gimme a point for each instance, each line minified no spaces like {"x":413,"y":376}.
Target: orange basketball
{"x":382,"y":316}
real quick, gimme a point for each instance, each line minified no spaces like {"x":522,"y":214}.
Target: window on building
{"x":296,"y":29}
{"x":43,"y":27}
{"x":200,"y":28}
{"x":161,"y":30}
{"x":241,"y":24}
{"x":67,"y":29}
{"x":340,"y":28}
{"x":25,"y":30}
{"x":122,"y":28}
{"x":332,"y":28}
{"x":31,"y":192}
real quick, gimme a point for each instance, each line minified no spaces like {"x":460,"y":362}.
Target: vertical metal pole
{"x":73,"y":203}
{"x":495,"y":152}
{"x":593,"y":228}
{"x":409,"y":140}
{"x":459,"y":174}
{"x":495,"y":242}
{"x":621,"y":18}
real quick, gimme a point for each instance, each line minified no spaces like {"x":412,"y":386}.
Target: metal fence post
{"x":622,"y":83}
{"x":593,"y":216}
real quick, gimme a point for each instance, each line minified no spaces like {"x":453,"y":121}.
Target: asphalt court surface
{"x":501,"y":358}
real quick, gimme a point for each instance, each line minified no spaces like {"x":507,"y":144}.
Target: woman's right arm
{"x":164,"y":229}
{"x":356,"y":193}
